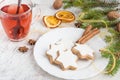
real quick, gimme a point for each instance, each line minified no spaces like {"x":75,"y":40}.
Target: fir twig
{"x":97,"y":18}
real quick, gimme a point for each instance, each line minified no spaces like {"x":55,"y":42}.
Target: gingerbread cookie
{"x":83,"y":51}
{"x":60,"y":45}
{"x":67,"y":60}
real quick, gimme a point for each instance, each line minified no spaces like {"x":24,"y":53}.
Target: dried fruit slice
{"x":51,"y":21}
{"x":65,"y":16}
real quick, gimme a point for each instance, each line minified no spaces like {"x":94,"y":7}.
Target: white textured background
{"x":18,"y":66}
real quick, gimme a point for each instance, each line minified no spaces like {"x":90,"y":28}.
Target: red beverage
{"x":17,"y":25}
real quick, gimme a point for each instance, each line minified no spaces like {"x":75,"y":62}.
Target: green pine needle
{"x":92,"y":14}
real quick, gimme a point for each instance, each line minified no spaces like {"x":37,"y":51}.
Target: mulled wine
{"x":16,"y":23}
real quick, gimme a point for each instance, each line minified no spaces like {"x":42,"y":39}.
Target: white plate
{"x":87,"y":69}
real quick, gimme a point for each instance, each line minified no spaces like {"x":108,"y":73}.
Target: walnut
{"x":23,"y":49}
{"x":118,"y":27}
{"x":32,"y":42}
{"x":113,"y":15}
{"x":57,"y":4}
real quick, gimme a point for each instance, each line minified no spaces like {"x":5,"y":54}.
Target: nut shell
{"x":57,"y":4}
{"x":113,"y":15}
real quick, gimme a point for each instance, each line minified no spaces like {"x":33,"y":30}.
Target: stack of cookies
{"x":65,"y":53}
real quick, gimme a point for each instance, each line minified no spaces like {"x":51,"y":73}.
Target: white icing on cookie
{"x":84,"y":49}
{"x":54,"y":49}
{"x":68,"y":44}
{"x":60,"y":45}
{"x":67,"y":58}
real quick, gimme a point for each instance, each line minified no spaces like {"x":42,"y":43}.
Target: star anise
{"x":32,"y":42}
{"x":23,"y":49}
{"x":77,"y":24}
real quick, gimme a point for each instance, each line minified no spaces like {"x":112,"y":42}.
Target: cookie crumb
{"x":23,"y":49}
{"x":31,"y":42}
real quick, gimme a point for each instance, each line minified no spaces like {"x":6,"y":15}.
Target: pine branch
{"x":97,"y":18}
{"x":87,"y":4}
{"x":114,"y":47}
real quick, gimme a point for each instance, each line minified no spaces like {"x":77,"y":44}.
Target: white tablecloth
{"x":15,"y":65}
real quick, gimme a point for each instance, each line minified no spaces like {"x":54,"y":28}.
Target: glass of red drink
{"x":16,"y":23}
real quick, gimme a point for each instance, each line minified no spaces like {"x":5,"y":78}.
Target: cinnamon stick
{"x":88,"y":29}
{"x":89,"y":35}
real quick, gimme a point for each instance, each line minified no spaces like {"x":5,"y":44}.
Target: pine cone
{"x":113,"y":15}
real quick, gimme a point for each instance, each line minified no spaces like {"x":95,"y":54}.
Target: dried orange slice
{"x":51,"y":21}
{"x":65,"y":16}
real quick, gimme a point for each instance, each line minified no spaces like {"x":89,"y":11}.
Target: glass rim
{"x":16,"y":15}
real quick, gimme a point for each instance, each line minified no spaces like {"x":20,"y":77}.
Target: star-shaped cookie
{"x":52,"y":52}
{"x":60,"y":45}
{"x":83,"y":51}
{"x":67,"y":60}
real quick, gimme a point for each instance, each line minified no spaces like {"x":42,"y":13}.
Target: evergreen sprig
{"x":97,"y":18}
{"x":114,"y":48}
{"x":87,"y":4}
